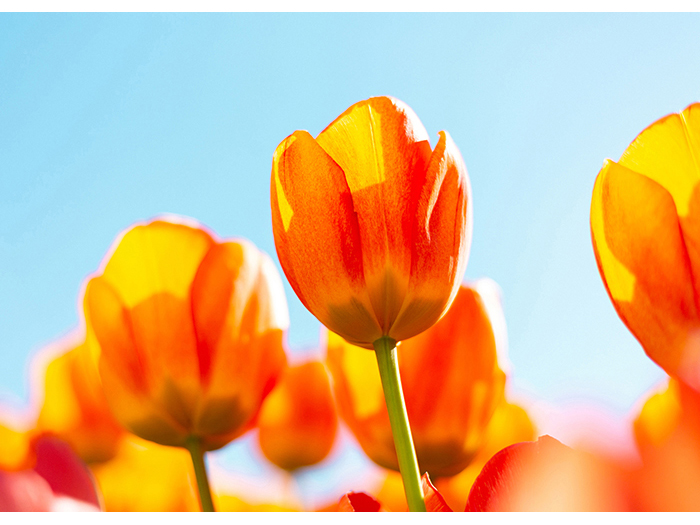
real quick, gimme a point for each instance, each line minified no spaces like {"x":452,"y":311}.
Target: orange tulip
{"x":372,"y":226}
{"x":645,"y":225}
{"x":74,"y":407}
{"x":189,"y":332}
{"x":667,"y":430}
{"x":16,"y":448}
{"x":453,"y":381}
{"x":298,"y":421}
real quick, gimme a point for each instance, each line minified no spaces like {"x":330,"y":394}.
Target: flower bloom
{"x":453,"y":379}
{"x":189,"y":332}
{"x":372,"y":226}
{"x":298,"y":421}
{"x":645,"y":225}
{"x":74,"y":407}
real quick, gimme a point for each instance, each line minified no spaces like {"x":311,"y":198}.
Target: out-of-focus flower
{"x":298,"y":420}
{"x":667,"y":430}
{"x":73,"y":405}
{"x":372,"y":226}
{"x":362,"y":502}
{"x":645,"y":225}
{"x":548,"y":476}
{"x":189,"y":332}
{"x":452,"y":379}
{"x":57,"y":481}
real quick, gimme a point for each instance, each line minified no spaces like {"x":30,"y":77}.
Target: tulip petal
{"x":383,"y":150}
{"x":126,"y":378}
{"x":668,"y":152}
{"x":358,"y":502}
{"x":441,"y":241}
{"x":318,"y":238}
{"x":434,"y":502}
{"x":240,"y":313}
{"x":642,"y":258}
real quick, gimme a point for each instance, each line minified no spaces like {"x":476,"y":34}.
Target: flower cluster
{"x":182,"y":346}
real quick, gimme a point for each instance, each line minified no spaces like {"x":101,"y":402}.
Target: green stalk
{"x":385,"y":348}
{"x":200,"y":471}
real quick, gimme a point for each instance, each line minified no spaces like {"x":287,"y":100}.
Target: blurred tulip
{"x":667,"y":430}
{"x":74,"y":407}
{"x":372,"y":226}
{"x":189,"y":332}
{"x":298,"y":421}
{"x":144,"y":477}
{"x":547,"y":476}
{"x":453,"y":379}
{"x":645,"y":225}
{"x":58,"y":481}
{"x":362,"y":502}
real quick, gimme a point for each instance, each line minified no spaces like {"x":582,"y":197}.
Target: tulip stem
{"x":385,"y":348}
{"x":194,"y":445}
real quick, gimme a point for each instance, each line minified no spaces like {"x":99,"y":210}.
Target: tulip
{"x":454,"y":380}
{"x":189,"y":334}
{"x":74,"y":407}
{"x":645,"y":225}
{"x":372,"y":226}
{"x":298,"y":421}
{"x":546,"y":475}
{"x":16,"y":450}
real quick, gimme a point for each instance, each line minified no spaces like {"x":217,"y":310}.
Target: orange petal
{"x":16,"y":449}
{"x":441,"y":240}
{"x":240,"y":314}
{"x":644,"y":264}
{"x":128,"y":385}
{"x":317,"y":237}
{"x":383,"y":151}
{"x":298,"y":421}
{"x":668,"y":152}
{"x":434,"y":502}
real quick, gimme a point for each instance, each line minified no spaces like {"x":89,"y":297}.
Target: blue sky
{"x":107,"y":119}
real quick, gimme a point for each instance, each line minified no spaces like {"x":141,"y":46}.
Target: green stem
{"x":385,"y":348}
{"x":194,"y":445}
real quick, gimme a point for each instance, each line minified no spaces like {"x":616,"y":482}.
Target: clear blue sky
{"x":108,"y":119}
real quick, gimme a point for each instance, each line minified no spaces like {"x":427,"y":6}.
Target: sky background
{"x":107,"y":119}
